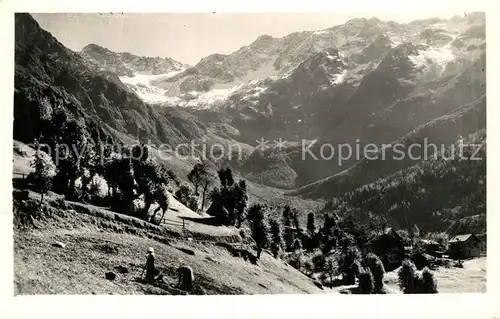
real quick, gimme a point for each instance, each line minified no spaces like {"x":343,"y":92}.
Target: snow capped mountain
{"x":141,"y":85}
{"x":439,"y":47}
{"x":125,"y":63}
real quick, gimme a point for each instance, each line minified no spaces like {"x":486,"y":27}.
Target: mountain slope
{"x":48,"y":75}
{"x":125,"y":63}
{"x":99,"y":241}
{"x":435,"y":194}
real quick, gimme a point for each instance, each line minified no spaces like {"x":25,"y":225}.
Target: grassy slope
{"x":79,"y":268}
{"x":257,"y":192}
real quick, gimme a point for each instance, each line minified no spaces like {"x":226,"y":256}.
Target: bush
{"x":407,"y":275}
{"x":366,"y":282}
{"x":429,"y":283}
{"x":373,"y":262}
{"x":411,"y":282}
{"x":308,"y":267}
{"x":296,"y":261}
{"x":318,"y":261}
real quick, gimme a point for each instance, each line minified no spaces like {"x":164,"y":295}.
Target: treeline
{"x":434,"y":194}
{"x":72,"y":151}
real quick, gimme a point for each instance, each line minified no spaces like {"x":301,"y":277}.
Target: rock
{"x":345,"y":292}
{"x":121,"y":269}
{"x":21,"y":195}
{"x":110,"y":275}
{"x":186,"y":250}
{"x":59,"y":244}
{"x":110,"y":250}
{"x":186,"y":277}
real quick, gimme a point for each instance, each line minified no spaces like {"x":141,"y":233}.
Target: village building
{"x":389,"y":246}
{"x":464,"y":246}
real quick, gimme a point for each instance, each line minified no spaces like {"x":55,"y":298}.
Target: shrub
{"x":61,"y":203}
{"x":373,"y":262}
{"x":308,"y":267}
{"x":366,"y":282}
{"x":296,"y":260}
{"x":429,"y":283}
{"x":407,"y":276}
{"x":331,"y":268}
{"x":318,"y":261}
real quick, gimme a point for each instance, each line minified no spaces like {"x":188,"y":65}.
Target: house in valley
{"x":464,"y":246}
{"x":389,"y":246}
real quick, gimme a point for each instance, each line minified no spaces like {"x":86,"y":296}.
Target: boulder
{"x":186,"y":250}
{"x":59,"y":244}
{"x":110,"y":275}
{"x":186,"y":277}
{"x":121,"y":269}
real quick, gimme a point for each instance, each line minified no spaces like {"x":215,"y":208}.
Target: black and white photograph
{"x":249,"y":153}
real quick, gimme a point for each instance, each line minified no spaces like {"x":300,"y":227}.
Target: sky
{"x":188,"y":37}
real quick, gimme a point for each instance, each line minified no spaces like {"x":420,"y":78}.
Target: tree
{"x":161,"y":197}
{"x":287,"y":217}
{"x":205,"y":184}
{"x":198,"y":175}
{"x":295,"y":218}
{"x":226,"y":177}
{"x":125,"y":181}
{"x":349,"y":260}
{"x":71,"y":142}
{"x":239,"y":194}
{"x":44,"y":170}
{"x":183,"y":194}
{"x":311,"y":227}
{"x":231,"y":199}
{"x":328,"y":224}
{"x":258,"y":227}
{"x":331,"y":267}
{"x":276,"y":242}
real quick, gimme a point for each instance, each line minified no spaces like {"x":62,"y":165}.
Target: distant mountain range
{"x":366,"y":81}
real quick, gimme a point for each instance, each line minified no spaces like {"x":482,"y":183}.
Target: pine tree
{"x":43,"y":171}
{"x":258,"y":227}
{"x":311,"y":227}
{"x":276,"y":242}
{"x":287,"y":217}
